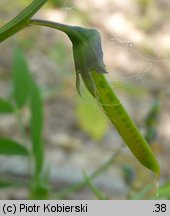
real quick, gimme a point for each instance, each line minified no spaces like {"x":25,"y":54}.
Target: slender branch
{"x":99,"y":194}
{"x":95,"y":174}
{"x":21,"y":20}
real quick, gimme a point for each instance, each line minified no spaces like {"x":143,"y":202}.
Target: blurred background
{"x":77,"y":135}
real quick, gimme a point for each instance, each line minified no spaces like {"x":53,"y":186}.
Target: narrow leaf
{"x":10,"y":183}
{"x":21,"y":78}
{"x":11,"y":147}
{"x":5,"y":106}
{"x":37,"y":126}
{"x":5,"y":184}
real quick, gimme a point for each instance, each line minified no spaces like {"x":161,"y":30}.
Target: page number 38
{"x":160,"y":208}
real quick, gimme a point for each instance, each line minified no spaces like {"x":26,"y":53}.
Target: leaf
{"x":5,"y":106}
{"x":91,"y":118}
{"x":10,"y":183}
{"x":39,"y":191}
{"x":5,"y":184}
{"x":36,"y":125}
{"x":40,"y":188}
{"x":11,"y":147}
{"x":21,"y":78}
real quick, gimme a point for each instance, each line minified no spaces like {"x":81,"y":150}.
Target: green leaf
{"x":10,"y":183}
{"x":11,"y":147}
{"x":21,"y":78}
{"x":36,"y":125}
{"x":40,"y":187}
{"x":39,"y":191}
{"x":5,"y":106}
{"x":5,"y":184}
{"x":91,"y":118}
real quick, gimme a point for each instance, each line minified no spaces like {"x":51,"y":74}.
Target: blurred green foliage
{"x":91,"y":119}
{"x":145,"y":24}
{"x":129,"y":88}
{"x":36,"y":125}
{"x":4,"y":183}
{"x":21,"y":79}
{"x":11,"y":147}
{"x":61,"y":3}
{"x":150,"y":192}
{"x":164,"y":191}
{"x":59,"y":54}
{"x":100,"y":195}
{"x":26,"y":92}
{"x":128,"y":174}
{"x":5,"y":106}
{"x":151,"y":120}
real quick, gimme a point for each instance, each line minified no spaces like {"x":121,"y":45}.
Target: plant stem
{"x":97,"y":192}
{"x":56,"y":25}
{"x":21,"y":20}
{"x":96,"y":173}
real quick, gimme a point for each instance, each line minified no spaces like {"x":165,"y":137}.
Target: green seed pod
{"x":88,"y":58}
{"x":124,"y":124}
